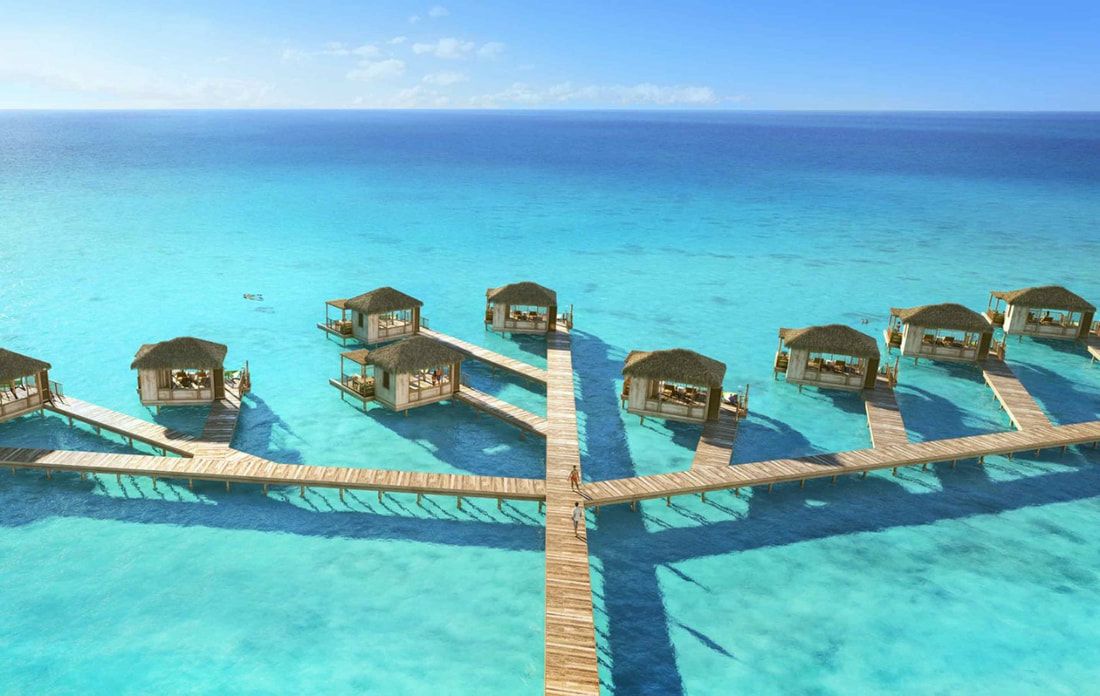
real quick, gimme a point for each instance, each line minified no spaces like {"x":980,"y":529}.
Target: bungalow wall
{"x":1016,"y":323}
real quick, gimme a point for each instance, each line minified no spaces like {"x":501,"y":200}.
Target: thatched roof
{"x":676,"y":365}
{"x":832,"y":338}
{"x":1046,"y":297}
{"x":338,"y":304}
{"x":944,"y":316}
{"x":382,"y":300}
{"x":525,"y":293}
{"x":184,"y":352}
{"x":414,"y":353}
{"x":15,"y":365}
{"x":360,"y":356}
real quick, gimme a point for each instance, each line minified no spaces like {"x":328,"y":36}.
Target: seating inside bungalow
{"x":942,"y":332}
{"x":676,"y":384}
{"x":523,"y":307}
{"x":181,"y":371}
{"x":833,"y":356}
{"x":1048,"y":311}
{"x":25,"y":385}
{"x":339,"y":325}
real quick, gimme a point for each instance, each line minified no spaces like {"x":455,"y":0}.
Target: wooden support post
{"x":118,"y":478}
{"x":154,"y":483}
{"x":379,"y":495}
{"x":924,"y":467}
{"x":419,"y":498}
{"x":863,"y":475}
{"x":458,"y":500}
{"x":981,"y":460}
{"x":703,"y":496}
{"x":894,"y":472}
{"x":1010,"y":455}
{"x":265,"y":489}
{"x":301,"y":491}
{"x":954,"y":462}
{"x":770,"y":487}
{"x":668,"y":501}
{"x":191,"y":484}
{"x":83,"y":475}
{"x":341,"y":495}
{"x":633,"y":505}
{"x":228,"y":486}
{"x":597,"y":511}
{"x":802,"y":483}
{"x":70,"y":421}
{"x":499,"y":503}
{"x":737,"y":492}
{"x":833,"y":482}
{"x":130,"y":440}
{"x":49,"y":474}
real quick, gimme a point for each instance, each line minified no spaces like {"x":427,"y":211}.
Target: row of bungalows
{"x":25,"y":385}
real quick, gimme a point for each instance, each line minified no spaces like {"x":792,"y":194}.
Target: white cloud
{"x":641,"y":94}
{"x":397,"y":40}
{"x":490,"y":49}
{"x":335,"y":48}
{"x":438,"y":11}
{"x":413,"y":19}
{"x":295,"y":55}
{"x":449,"y":48}
{"x":444,"y":78}
{"x":368,"y":71}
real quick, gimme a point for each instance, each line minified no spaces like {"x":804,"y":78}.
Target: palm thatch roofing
{"x":831,"y":338}
{"x":185,"y":352}
{"x":944,"y":316}
{"x":675,"y":365}
{"x":15,"y":365}
{"x":414,"y":353}
{"x":1046,"y":297}
{"x":382,"y":300}
{"x":524,"y":293}
{"x":360,"y":356}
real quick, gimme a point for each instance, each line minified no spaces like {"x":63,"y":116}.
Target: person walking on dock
{"x":575,"y":480}
{"x":578,"y":517}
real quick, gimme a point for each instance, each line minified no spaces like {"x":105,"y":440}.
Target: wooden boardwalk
{"x":257,"y":470}
{"x":716,"y":442}
{"x":571,"y":662}
{"x":1020,"y":406}
{"x":883,"y":415}
{"x":513,"y":415}
{"x":516,"y":367}
{"x":221,"y":426}
{"x":1092,"y":342}
{"x":135,"y":429}
{"x":840,"y":463}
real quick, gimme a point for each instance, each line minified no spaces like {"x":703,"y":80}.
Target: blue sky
{"x":496,"y":54}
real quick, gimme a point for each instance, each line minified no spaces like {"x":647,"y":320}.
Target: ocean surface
{"x":703,"y":230}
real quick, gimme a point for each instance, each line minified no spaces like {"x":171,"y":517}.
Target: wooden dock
{"x":571,"y":662}
{"x":516,"y":367}
{"x":1020,"y":406}
{"x":883,"y":415}
{"x":715,"y":446}
{"x":135,"y":429}
{"x":257,"y":470}
{"x":513,"y":415}
{"x":840,"y":463}
{"x":221,"y":426}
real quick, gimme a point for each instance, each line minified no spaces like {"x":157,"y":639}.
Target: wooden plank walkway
{"x":716,"y":442}
{"x":221,"y":426}
{"x":840,"y":463}
{"x":257,"y":470}
{"x":124,"y":425}
{"x":517,"y":367}
{"x":884,"y":416}
{"x":571,"y":662}
{"x":1092,"y":342}
{"x":513,"y":415}
{"x":1020,"y":406}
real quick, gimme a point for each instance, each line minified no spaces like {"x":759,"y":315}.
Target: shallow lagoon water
{"x":708,"y":231}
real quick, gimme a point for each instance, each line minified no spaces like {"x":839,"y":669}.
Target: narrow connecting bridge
{"x":134,"y":429}
{"x":883,"y":415}
{"x":715,"y":446}
{"x":491,"y":358}
{"x":1020,"y":406}
{"x":513,"y":415}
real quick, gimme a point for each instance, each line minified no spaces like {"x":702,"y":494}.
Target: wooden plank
{"x":489,"y":357}
{"x":509,"y":413}
{"x":1021,"y":408}
{"x":884,"y":416}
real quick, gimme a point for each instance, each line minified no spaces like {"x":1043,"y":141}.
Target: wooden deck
{"x":513,"y":415}
{"x":716,"y":442}
{"x":221,"y":425}
{"x":883,"y":415}
{"x":516,"y":367}
{"x":1020,"y":406}
{"x":840,"y":463}
{"x":127,"y":426}
{"x":344,"y":338}
{"x":257,"y":470}
{"x":571,"y":662}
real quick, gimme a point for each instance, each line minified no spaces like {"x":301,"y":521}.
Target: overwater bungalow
{"x":179,"y":372}
{"x":1048,"y":311}
{"x":940,"y":332}
{"x":24,"y":384}
{"x":676,"y":384}
{"x":337,"y":320}
{"x":379,"y":316}
{"x":832,"y":356}
{"x":412,"y":372}
{"x":521,"y":308}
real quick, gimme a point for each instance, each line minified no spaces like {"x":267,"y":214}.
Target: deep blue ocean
{"x":708,"y":231}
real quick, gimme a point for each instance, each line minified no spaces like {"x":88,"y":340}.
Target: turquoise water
{"x":708,"y":231}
